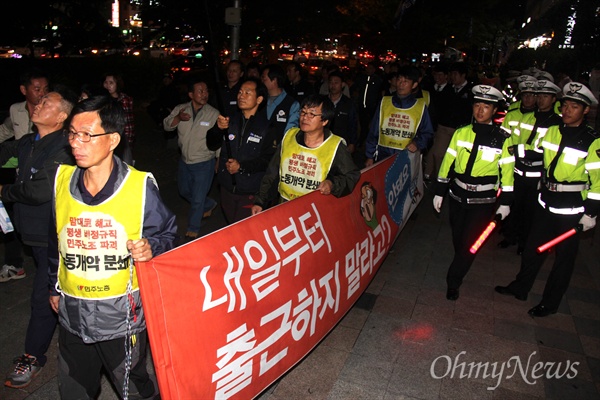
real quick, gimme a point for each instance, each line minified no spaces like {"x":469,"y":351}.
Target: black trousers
{"x":80,"y":365}
{"x":547,"y":226}
{"x":236,"y":207}
{"x":467,"y":223}
{"x":43,"y":320}
{"x":517,"y":226}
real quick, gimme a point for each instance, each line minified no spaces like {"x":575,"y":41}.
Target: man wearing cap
{"x":519,"y":121}
{"x":478,"y":160}
{"x":569,"y":197}
{"x":401,"y":121}
{"x":528,"y":163}
{"x":547,"y":76}
{"x":517,"y":103}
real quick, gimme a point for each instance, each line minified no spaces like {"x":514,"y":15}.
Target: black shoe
{"x":506,"y":243}
{"x":520,"y":250}
{"x":452,"y":294}
{"x":507,"y":291}
{"x":540,"y":311}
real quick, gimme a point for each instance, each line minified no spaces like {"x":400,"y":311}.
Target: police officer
{"x":569,"y":197}
{"x":519,"y":80}
{"x":528,"y":163}
{"x":519,"y":121}
{"x":476,"y":155}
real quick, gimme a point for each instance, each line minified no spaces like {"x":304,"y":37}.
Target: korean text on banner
{"x":230,"y":313}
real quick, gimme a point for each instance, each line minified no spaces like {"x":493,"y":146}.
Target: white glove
{"x":503,"y":211}
{"x":587,"y":222}
{"x":437,"y":203}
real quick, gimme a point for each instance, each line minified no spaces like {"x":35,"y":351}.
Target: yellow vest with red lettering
{"x":302,"y":169}
{"x":93,"y":256}
{"x":398,"y":126}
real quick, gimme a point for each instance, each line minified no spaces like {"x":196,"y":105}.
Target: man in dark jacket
{"x":39,"y":154}
{"x":297,"y":86}
{"x":367,"y":91}
{"x":282,"y":109}
{"x":246,"y":155}
{"x":345,"y":120}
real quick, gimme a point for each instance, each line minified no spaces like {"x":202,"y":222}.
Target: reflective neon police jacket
{"x":577,"y":163}
{"x":519,"y":124}
{"x":493,"y":162}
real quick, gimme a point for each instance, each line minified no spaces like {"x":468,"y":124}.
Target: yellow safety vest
{"x":426,"y":97}
{"x":94,"y":260}
{"x":398,"y":126}
{"x":302,"y":169}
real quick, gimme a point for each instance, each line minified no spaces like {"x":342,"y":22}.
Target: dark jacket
{"x":441,"y":109}
{"x":345,"y":121}
{"x":252,"y":144}
{"x":300,"y":90}
{"x":373,"y":85}
{"x":461,"y":108}
{"x":280,"y":116}
{"x":228,"y":105}
{"x":32,"y":191}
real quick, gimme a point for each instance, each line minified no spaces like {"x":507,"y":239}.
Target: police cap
{"x":527,"y":85}
{"x":544,"y":86}
{"x":486,"y":93}
{"x":579,"y":92}
{"x":544,"y":75}
{"x":530,"y":71}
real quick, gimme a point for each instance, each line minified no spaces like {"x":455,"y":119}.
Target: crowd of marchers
{"x":521,"y":150}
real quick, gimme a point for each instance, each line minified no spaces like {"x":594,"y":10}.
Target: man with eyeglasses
{"x":327,"y":165}
{"x":401,"y":121}
{"x":107,"y":216}
{"x":38,"y":156}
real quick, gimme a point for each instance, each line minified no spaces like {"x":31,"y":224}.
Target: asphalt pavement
{"x":402,"y":339}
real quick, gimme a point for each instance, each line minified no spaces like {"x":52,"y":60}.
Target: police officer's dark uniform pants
{"x":467,"y":222}
{"x":80,"y":365}
{"x":546,"y":226}
{"x":526,"y":194}
{"x":518,"y":223}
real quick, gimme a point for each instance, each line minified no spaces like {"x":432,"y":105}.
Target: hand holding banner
{"x":251,"y":300}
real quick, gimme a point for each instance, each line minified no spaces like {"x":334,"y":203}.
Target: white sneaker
{"x":9,"y":272}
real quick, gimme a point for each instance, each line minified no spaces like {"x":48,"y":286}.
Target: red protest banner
{"x":230,"y":313}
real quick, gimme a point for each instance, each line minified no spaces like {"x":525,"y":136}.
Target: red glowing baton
{"x":558,"y":239}
{"x":484,"y":235}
